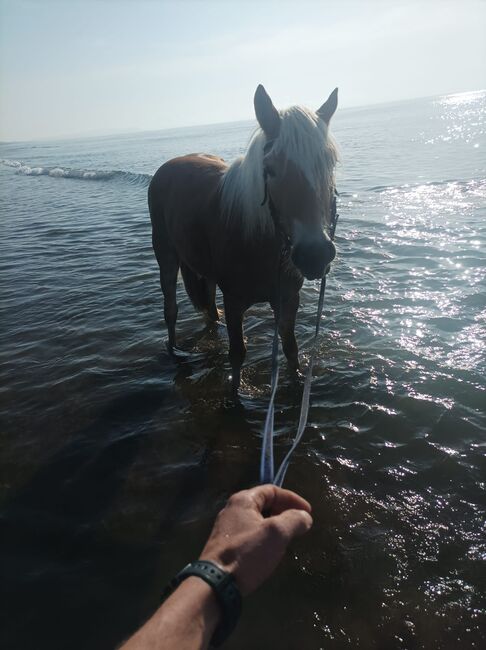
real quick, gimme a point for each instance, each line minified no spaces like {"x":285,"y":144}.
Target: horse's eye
{"x":269,"y":171}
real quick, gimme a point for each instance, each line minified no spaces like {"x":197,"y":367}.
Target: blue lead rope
{"x":266,"y":462}
{"x":304,"y":408}
{"x":267,"y":471}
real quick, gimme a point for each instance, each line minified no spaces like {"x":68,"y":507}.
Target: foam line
{"x":78,"y":174}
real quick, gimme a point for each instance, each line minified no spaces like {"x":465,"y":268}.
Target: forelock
{"x":305,"y":140}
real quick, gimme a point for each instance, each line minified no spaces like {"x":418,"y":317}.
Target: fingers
{"x":276,"y":500}
{"x":291,"y":524}
{"x":287,"y":500}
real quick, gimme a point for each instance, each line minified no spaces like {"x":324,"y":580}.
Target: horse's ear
{"x":266,"y":113}
{"x":328,"y":109}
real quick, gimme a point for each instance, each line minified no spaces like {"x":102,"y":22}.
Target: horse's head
{"x":298,"y":164}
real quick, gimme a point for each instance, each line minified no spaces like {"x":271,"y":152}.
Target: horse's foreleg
{"x":234,"y":311}
{"x":169,"y":267}
{"x":286,"y":328}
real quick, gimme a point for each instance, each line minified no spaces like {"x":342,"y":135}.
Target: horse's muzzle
{"x":312,"y":258}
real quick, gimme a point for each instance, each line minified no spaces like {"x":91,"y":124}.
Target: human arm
{"x":243,"y":542}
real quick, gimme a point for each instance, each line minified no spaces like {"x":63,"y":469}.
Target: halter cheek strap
{"x":266,"y":148}
{"x":273,"y":212}
{"x":265,"y":195}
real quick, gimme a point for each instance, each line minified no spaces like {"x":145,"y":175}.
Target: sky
{"x":70,"y":67}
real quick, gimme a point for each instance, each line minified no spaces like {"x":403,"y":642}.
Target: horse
{"x":255,"y":228}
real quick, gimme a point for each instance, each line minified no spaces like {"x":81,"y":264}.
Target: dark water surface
{"x":115,"y":459}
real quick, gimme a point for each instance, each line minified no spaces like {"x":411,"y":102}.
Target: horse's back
{"x":180,"y":177}
{"x":183,"y":200}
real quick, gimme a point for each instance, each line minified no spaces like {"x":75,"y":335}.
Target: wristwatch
{"x":227,"y":593}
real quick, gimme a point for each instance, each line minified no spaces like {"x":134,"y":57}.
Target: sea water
{"x":115,"y":459}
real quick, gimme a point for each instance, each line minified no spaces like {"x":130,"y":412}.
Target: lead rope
{"x":266,"y":461}
{"x":304,"y":408}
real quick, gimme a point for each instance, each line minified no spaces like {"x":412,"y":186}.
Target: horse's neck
{"x":243,"y":205}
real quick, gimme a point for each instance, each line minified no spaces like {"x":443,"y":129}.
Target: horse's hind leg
{"x":202,"y":293}
{"x":212,"y":311}
{"x":169,"y":267}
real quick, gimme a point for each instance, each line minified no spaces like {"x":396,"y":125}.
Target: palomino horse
{"x":208,"y":219}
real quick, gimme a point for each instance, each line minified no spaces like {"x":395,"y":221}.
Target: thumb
{"x":292,"y":523}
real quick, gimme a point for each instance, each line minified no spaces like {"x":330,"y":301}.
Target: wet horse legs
{"x":286,"y":328}
{"x":234,"y":311}
{"x":169,"y":267}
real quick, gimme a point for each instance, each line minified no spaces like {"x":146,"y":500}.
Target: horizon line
{"x":93,"y":134}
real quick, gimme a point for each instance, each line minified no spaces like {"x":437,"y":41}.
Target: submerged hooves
{"x":177,"y":353}
{"x":234,"y":388}
{"x":297,"y":379}
{"x":219,"y":325}
{"x":295,"y":372}
{"x":183,"y":355}
{"x":233,"y":404}
{"x":215,"y":326}
{"x":213,"y":316}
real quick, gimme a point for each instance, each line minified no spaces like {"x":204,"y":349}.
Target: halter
{"x":273,"y":212}
{"x":267,"y":474}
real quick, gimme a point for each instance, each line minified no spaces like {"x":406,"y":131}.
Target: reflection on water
{"x":115,"y":458}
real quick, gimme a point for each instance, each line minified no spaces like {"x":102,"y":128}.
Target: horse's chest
{"x":252,"y":273}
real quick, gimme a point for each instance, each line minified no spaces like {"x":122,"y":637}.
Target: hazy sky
{"x":69,"y":67}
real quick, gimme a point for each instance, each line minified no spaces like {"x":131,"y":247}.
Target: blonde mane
{"x":304,"y":139}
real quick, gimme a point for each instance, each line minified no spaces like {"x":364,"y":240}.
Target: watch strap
{"x":224,"y":586}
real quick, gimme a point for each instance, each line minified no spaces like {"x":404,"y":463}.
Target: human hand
{"x":249,"y":545}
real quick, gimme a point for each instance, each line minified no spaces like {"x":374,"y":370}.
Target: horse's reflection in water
{"x":255,"y":228}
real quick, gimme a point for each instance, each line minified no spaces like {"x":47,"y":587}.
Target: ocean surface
{"x":114,"y":459}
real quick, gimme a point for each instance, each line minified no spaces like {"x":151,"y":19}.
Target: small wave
{"x":11,"y":163}
{"x":79,"y":174}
